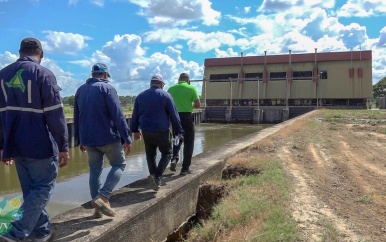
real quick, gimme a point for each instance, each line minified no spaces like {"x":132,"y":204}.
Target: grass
{"x":69,"y":111}
{"x":365,"y":198}
{"x":330,"y":233}
{"x":352,"y":114}
{"x":255,"y":210}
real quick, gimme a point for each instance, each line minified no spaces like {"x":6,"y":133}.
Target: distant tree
{"x":71,"y":100}
{"x":65,"y":100}
{"x":379,"y":89}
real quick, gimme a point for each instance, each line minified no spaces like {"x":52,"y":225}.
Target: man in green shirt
{"x":185,"y":98}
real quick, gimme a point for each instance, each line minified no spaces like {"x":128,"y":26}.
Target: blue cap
{"x":157,"y":78}
{"x":100,"y":68}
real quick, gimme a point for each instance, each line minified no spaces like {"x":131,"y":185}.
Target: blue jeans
{"x":162,"y":140}
{"x":37,"y":179}
{"x":114,"y":153}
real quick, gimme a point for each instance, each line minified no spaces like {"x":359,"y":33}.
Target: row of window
{"x":273,"y":76}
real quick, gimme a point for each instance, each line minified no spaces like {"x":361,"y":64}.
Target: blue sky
{"x":139,"y":38}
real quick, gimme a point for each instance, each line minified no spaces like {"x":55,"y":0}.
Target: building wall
{"x":338,"y":84}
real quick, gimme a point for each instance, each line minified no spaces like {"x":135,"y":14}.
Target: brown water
{"x":72,"y":187}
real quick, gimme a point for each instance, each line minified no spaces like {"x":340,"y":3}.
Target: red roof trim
{"x":295,"y":58}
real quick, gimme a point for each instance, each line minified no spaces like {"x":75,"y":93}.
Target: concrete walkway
{"x":146,"y":215}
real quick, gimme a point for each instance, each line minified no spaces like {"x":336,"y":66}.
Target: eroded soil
{"x":338,"y":171}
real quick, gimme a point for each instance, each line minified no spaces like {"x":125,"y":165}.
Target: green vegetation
{"x":365,"y":198}
{"x":330,"y":233}
{"x":334,"y":114}
{"x":379,"y":89}
{"x":255,"y":210}
{"x":127,"y":103}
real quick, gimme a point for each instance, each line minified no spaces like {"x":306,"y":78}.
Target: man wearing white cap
{"x":153,"y":112}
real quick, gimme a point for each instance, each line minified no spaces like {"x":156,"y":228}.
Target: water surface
{"x":72,"y":187}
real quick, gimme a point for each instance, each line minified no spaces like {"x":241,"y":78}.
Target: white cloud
{"x":7,"y":58}
{"x":287,"y":6}
{"x":353,"y":35}
{"x":363,"y":8}
{"x":131,"y":69}
{"x":241,"y":31}
{"x":382,"y":37}
{"x":60,"y":42}
{"x":64,"y":79}
{"x":99,"y":3}
{"x":247,"y":9}
{"x":225,"y":53}
{"x":163,"y":13}
{"x":198,"y":42}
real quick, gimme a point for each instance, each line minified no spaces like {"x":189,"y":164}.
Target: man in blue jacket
{"x":154,"y":109}
{"x":33,"y":134}
{"x":101,"y":129}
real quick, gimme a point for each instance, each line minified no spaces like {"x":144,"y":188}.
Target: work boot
{"x":153,"y":182}
{"x":103,"y":205}
{"x":97,"y":213}
{"x":185,"y":172}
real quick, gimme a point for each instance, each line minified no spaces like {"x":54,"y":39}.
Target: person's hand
{"x":63,"y":159}
{"x":6,"y":161}
{"x":137,"y":136}
{"x":126,"y":149}
{"x":82,"y":148}
{"x":181,"y":137}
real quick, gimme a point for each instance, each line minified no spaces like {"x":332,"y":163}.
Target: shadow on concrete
{"x":68,"y":229}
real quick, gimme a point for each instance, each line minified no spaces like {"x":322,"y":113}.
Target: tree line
{"x":126,"y":101}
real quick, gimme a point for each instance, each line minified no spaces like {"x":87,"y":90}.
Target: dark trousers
{"x":162,"y":141}
{"x":189,"y":133}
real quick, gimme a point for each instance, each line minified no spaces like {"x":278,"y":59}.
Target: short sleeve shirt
{"x":184,"y":95}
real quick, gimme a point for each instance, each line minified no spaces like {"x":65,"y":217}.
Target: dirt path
{"x":339,"y":175}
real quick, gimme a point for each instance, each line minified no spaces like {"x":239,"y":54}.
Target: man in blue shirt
{"x":100,"y":127}
{"x":154,"y":109}
{"x":33,"y":134}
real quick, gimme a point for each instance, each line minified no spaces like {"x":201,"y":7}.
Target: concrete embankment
{"x":146,"y":215}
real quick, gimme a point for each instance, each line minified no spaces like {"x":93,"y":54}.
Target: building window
{"x":222,"y":77}
{"x":256,"y":76}
{"x":323,"y":75}
{"x":277,"y":76}
{"x":302,"y":75}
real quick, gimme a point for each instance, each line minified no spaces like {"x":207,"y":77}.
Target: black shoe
{"x":173,"y":165}
{"x":6,"y":238}
{"x":48,"y":238}
{"x":158,"y":181}
{"x":185,"y":172}
{"x":153,"y":182}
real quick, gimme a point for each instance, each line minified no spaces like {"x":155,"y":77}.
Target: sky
{"x":140,"y":38}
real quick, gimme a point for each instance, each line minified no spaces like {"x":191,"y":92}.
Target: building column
{"x":228,"y":114}
{"x":285,"y":114}
{"x":257,"y":116}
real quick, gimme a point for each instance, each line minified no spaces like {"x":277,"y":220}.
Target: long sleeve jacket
{"x":32,"y":120}
{"x":98,"y":115}
{"x":154,"y":110}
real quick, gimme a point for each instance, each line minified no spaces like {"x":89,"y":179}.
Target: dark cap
{"x":100,"y":68}
{"x":157,"y":78}
{"x":183,"y":77}
{"x":30,"y":43}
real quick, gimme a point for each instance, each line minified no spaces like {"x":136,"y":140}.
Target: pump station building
{"x":290,"y":83}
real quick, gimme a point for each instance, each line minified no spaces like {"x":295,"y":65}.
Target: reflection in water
{"x":72,"y":187}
